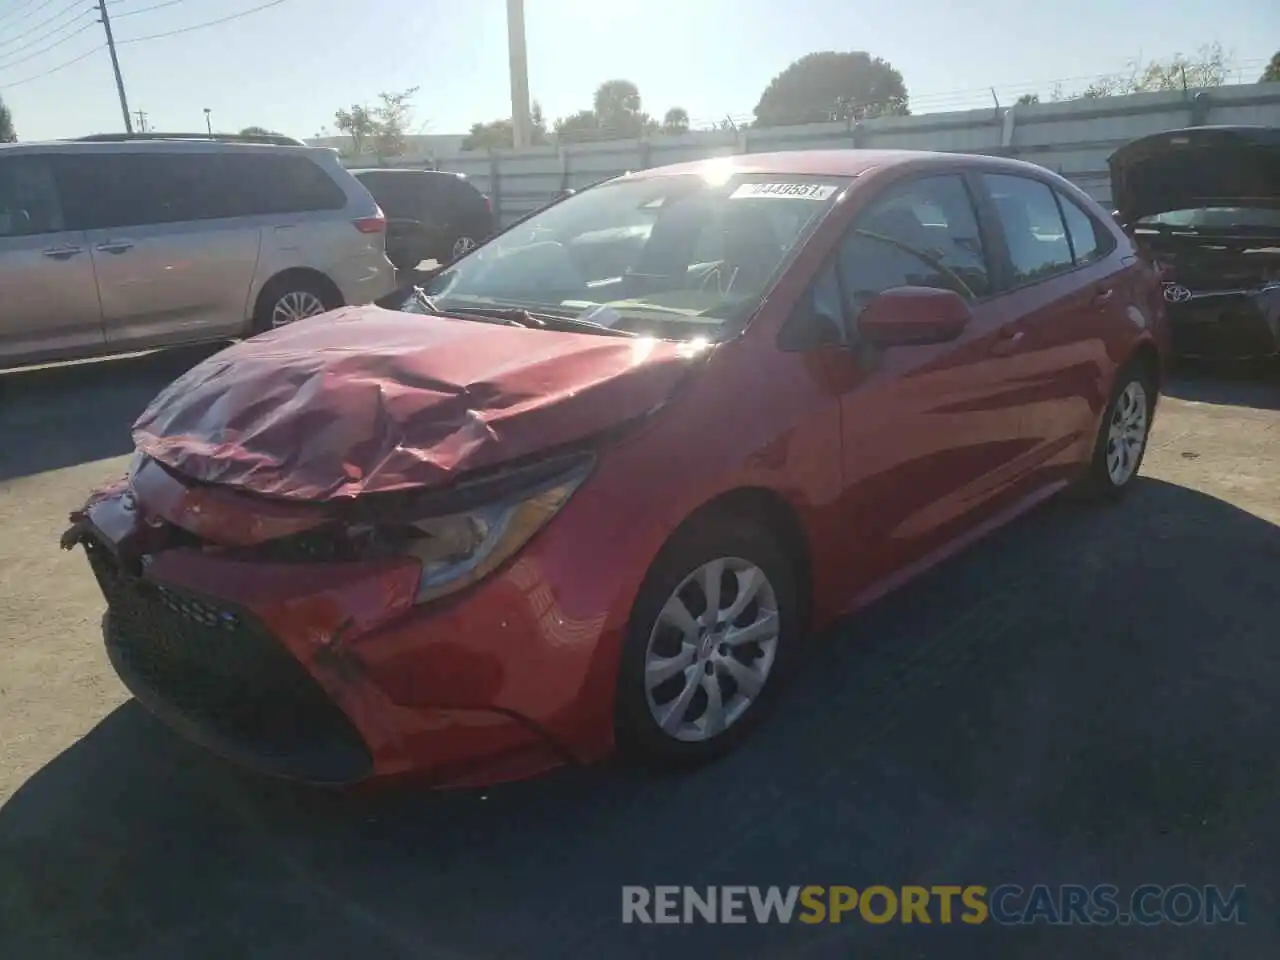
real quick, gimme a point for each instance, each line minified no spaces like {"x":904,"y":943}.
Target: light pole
{"x":208,"y":124}
{"x":518,"y":54}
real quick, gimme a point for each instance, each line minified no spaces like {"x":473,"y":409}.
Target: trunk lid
{"x":1196,"y":167}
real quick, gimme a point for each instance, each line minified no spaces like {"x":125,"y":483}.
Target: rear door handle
{"x":63,"y":253}
{"x":115,"y":246}
{"x":1103,"y":297}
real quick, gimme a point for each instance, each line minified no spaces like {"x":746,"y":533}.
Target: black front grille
{"x":219,"y":677}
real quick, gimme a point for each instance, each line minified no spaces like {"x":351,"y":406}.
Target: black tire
{"x":639,"y":736}
{"x":1096,"y":484}
{"x":287,"y":285}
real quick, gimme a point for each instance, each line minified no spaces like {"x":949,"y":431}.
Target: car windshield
{"x":678,"y":257}
{"x":1217,"y":218}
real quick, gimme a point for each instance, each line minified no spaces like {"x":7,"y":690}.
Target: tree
{"x":617,"y":108}
{"x":390,"y":118}
{"x":7,"y":133}
{"x":1210,"y":67}
{"x":258,"y":132}
{"x":358,"y":124}
{"x":676,"y":120}
{"x":1272,"y":73}
{"x":578,"y":127}
{"x":500,"y":134}
{"x":832,"y":86}
{"x":1028,"y":99}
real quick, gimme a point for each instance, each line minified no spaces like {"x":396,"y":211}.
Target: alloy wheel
{"x":294,"y":306}
{"x":1127,"y":433}
{"x":711,"y":649}
{"x":463,"y":246}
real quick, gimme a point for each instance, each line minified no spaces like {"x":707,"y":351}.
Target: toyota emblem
{"x":1176,"y":293}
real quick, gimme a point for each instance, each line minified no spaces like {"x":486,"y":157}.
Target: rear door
{"x":174,"y":248}
{"x":1064,"y":291}
{"x":48,"y":294}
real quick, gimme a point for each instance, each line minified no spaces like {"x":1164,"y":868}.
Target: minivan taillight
{"x":375,"y":224}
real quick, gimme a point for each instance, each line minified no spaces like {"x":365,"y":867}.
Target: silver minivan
{"x":130,"y":243}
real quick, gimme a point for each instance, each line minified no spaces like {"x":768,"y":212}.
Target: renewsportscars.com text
{"x":1006,"y":904}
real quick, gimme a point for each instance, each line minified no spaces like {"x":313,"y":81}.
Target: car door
{"x":48,"y":294}
{"x":1062,"y":292}
{"x":174,"y":249}
{"x":930,"y":434}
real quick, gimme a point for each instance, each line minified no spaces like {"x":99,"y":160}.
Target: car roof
{"x":157,"y":146}
{"x":402,"y":171}
{"x":843,"y":163}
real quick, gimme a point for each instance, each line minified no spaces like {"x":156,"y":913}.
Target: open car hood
{"x":1196,"y":167}
{"x":367,"y":400}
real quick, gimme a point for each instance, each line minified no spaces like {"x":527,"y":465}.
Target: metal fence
{"x":1073,"y":138}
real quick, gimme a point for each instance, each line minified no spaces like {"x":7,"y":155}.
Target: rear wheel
{"x":711,"y":638}
{"x":288,"y":299}
{"x":1122,"y":436}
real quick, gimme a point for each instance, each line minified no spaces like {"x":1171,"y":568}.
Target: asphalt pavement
{"x":1088,"y":696}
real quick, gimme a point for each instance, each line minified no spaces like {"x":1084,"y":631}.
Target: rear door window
{"x":1090,"y":241}
{"x":1034,"y":233}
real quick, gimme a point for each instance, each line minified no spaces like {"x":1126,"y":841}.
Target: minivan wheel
{"x":461,"y":247}
{"x":711,"y":638}
{"x":291,"y":299}
{"x":1122,"y":436}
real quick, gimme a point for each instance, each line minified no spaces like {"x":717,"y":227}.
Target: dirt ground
{"x":1088,"y":696}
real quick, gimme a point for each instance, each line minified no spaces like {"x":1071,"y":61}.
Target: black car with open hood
{"x":1204,"y":202}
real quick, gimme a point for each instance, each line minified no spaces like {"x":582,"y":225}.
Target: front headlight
{"x":458,"y":549}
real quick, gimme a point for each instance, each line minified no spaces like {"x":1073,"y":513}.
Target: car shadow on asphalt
{"x":66,"y":414}
{"x":1088,"y":696}
{"x":1251,"y":385}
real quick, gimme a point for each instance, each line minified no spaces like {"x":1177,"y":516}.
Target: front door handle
{"x":63,"y":253}
{"x":1103,"y":297}
{"x":1009,"y":340}
{"x":115,"y":246}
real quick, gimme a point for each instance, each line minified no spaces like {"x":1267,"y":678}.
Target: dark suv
{"x":431,"y":214}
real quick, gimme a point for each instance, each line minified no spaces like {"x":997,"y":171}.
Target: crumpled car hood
{"x":367,"y":400}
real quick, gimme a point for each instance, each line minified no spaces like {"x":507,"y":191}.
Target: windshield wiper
{"x":520,"y":317}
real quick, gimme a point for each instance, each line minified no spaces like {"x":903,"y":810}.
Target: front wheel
{"x":1122,"y":436}
{"x":711,"y":637}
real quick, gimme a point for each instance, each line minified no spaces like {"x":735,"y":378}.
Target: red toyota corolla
{"x":592,"y":487}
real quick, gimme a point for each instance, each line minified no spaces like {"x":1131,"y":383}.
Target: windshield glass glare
{"x":677,"y":257}
{"x":1224,"y":218}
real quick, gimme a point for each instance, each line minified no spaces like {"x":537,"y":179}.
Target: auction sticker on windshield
{"x":785,"y":191}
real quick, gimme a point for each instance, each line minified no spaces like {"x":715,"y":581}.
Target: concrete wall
{"x":1073,"y":138}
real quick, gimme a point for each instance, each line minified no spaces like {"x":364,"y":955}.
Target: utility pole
{"x":115,"y":65}
{"x":520,"y":119}
{"x":208,"y":124}
{"x":142,"y":120}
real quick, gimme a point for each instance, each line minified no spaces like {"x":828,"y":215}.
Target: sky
{"x":289,"y":66}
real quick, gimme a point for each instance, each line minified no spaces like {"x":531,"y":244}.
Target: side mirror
{"x":914,"y":316}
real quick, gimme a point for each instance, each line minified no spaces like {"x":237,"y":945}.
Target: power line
{"x":154,"y":6}
{"x":29,"y":10}
{"x":9,"y":41}
{"x":59,"y":67}
{"x":43,"y":50}
{"x":201,"y":26}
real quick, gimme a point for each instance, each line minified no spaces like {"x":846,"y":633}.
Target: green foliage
{"x":832,"y":86}
{"x":379,"y":129}
{"x":1210,"y":67}
{"x":675,"y":121}
{"x":1029,"y":98}
{"x":500,"y":134}
{"x":258,"y":132}
{"x":1272,"y":73}
{"x":7,"y":133}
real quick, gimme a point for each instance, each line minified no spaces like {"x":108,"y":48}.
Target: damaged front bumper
{"x":263,"y":673}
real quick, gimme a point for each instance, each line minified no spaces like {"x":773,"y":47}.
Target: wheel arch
{"x":771,"y":510}
{"x":308,"y":275}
